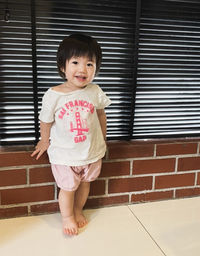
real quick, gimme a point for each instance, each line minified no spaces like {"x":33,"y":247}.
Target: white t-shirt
{"x":76,"y":135}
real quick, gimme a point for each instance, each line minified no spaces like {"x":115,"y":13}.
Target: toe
{"x":65,"y":231}
{"x":75,"y":232}
{"x":71,"y":232}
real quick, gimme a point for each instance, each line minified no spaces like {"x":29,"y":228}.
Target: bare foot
{"x":80,"y":219}
{"x":70,"y":226}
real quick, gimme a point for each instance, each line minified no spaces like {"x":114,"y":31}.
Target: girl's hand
{"x":40,"y":148}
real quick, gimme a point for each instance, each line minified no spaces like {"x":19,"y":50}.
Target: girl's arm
{"x":43,"y":144}
{"x":103,"y":121}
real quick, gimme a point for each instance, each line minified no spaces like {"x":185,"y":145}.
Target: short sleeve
{"x":102,"y":99}
{"x":48,"y":108}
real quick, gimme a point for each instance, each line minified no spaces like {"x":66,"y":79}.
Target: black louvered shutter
{"x":167,"y":63}
{"x":168,"y":77}
{"x":17,"y":124}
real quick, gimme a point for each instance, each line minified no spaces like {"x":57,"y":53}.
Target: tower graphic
{"x":81,"y":126}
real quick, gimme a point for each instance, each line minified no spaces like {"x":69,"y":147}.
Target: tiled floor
{"x":169,"y":228}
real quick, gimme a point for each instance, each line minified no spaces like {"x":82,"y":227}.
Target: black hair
{"x":77,"y":45}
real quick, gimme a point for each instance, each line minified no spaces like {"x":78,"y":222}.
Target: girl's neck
{"x":65,"y":88}
{"x":70,"y":88}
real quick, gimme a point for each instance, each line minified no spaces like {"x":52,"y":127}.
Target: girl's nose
{"x":82,"y":68}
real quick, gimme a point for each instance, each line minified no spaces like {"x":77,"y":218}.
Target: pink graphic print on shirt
{"x":76,"y":111}
{"x":81,"y":126}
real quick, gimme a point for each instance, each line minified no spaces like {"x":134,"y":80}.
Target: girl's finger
{"x":34,"y":153}
{"x":39,"y":154}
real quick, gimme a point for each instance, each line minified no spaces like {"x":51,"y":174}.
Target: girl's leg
{"x":66,"y":203}
{"x":80,"y":199}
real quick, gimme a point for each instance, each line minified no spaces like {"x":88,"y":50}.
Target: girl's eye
{"x":90,"y":65}
{"x":75,"y":62}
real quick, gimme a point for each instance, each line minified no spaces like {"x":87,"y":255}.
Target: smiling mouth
{"x":82,"y":78}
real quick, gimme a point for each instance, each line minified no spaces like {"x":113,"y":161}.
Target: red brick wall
{"x":132,"y":172}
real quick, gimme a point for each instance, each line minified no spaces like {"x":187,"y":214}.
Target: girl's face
{"x":79,"y":71}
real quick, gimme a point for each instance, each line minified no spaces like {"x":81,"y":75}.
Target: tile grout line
{"x":146,"y":230}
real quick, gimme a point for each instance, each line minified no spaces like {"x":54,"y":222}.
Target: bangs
{"x":79,"y":49}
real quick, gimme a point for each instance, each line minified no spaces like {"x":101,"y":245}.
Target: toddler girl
{"x":73,"y":127}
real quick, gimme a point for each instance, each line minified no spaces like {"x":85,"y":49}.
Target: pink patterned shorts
{"x":69,"y":177}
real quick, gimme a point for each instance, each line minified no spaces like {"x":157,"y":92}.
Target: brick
{"x":13,"y":212}
{"x":105,"y":201}
{"x":177,"y":180}
{"x":153,"y":196}
{"x":198,"y":179}
{"x":97,"y":188}
{"x":154,"y":166}
{"x":41,"y":175}
{"x":25,"y":195}
{"x":129,"y":184}
{"x":176,"y":149}
{"x":189,"y":164}
{"x":115,"y":169}
{"x":45,"y":208}
{"x":130,"y":151}
{"x":13,"y":177}
{"x":187,"y":192}
{"x":21,"y":158}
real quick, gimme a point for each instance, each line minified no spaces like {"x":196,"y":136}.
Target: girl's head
{"x":78,"y":45}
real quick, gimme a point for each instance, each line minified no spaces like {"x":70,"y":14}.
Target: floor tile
{"x":111,"y":231}
{"x":173,"y":224}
